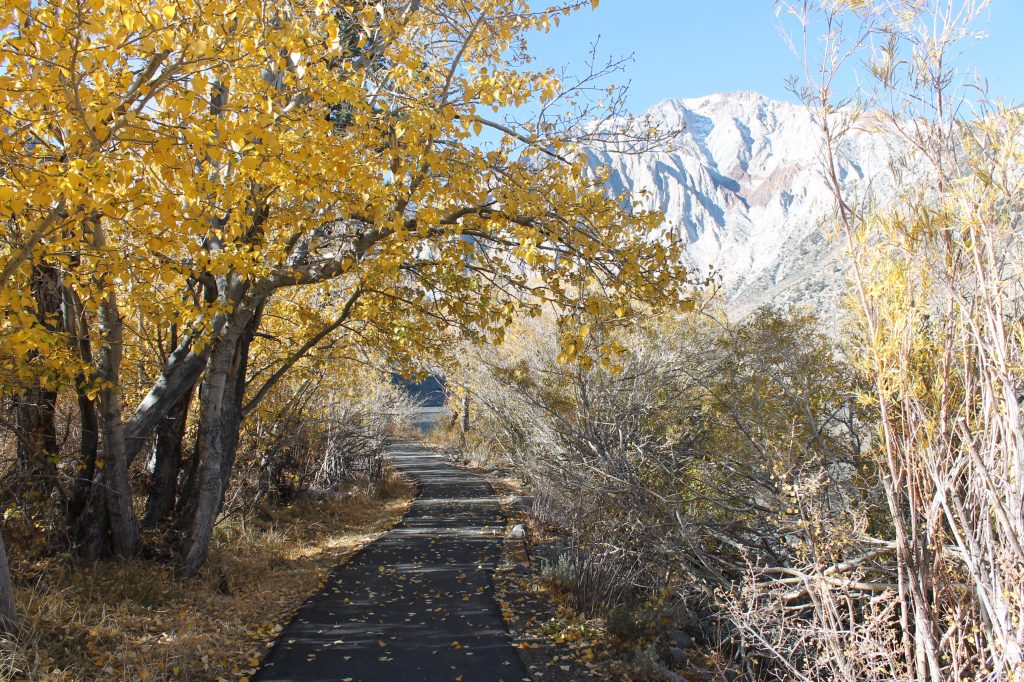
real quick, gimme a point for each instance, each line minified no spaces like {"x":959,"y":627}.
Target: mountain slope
{"x":743,"y":184}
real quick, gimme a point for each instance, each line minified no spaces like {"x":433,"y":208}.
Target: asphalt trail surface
{"x":417,"y":604}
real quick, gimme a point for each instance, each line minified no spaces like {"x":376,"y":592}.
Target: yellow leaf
{"x":169,"y":12}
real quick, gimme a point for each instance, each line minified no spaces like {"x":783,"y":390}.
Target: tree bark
{"x":37,"y":440}
{"x":76,"y":326}
{"x":220,"y":418}
{"x":36,"y":406}
{"x":8,"y":610}
{"x":180,"y":376}
{"x":167,"y":449}
{"x":464,"y":416}
{"x":124,"y":526}
{"x":92,"y":525}
{"x":88,"y":449}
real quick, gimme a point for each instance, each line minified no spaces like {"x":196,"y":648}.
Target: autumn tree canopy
{"x":178,"y":169}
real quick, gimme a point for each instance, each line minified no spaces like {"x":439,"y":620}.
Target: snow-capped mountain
{"x":743,"y":184}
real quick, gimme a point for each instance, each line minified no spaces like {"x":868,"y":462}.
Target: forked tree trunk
{"x":180,"y":375}
{"x":220,"y":418}
{"x":211,"y":458}
{"x":167,"y":449}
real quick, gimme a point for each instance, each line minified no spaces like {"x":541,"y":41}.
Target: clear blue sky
{"x":690,"y":48}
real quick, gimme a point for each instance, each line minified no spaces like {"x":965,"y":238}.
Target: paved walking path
{"x":417,"y":604}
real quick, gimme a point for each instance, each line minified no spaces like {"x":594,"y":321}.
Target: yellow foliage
{"x":153,"y":152}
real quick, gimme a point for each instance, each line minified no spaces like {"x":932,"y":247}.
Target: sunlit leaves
{"x":211,"y":140}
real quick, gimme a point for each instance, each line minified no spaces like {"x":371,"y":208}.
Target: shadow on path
{"x":417,"y":604}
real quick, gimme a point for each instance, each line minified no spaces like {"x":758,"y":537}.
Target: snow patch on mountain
{"x":743,"y":184}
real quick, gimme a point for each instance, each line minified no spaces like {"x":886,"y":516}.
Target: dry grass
{"x":133,"y":621}
{"x":472,"y":449}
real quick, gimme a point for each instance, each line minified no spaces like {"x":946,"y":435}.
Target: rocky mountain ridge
{"x":743,"y":184}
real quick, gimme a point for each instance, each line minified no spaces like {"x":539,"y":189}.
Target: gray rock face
{"x":743,"y":185}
